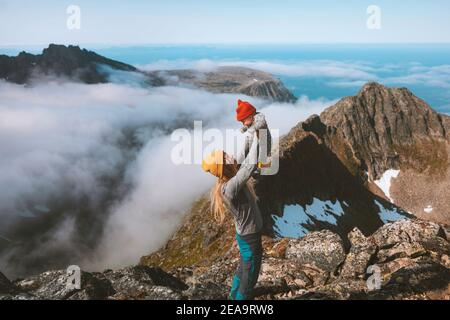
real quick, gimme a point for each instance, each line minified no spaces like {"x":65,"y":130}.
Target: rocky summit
{"x":230,"y":79}
{"x":407,"y":259}
{"x":389,"y":136}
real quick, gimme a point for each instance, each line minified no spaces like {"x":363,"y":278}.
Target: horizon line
{"x":15,"y":46}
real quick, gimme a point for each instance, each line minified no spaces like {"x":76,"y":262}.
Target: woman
{"x":233,"y":192}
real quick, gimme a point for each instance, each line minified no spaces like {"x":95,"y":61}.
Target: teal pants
{"x":246,"y":276}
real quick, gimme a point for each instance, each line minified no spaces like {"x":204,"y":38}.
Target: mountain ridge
{"x":412,"y":255}
{"x":83,"y":65}
{"x":327,"y":191}
{"x":313,"y":168}
{"x":382,"y":129}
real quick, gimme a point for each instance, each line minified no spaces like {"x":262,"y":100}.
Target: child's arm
{"x":247,"y":143}
{"x":259,"y":122}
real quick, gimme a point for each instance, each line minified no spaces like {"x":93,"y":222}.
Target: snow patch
{"x":291,"y":223}
{"x":428,"y":209}
{"x":389,"y":215}
{"x":384,"y":183}
{"x":325,"y":210}
{"x":295,"y":217}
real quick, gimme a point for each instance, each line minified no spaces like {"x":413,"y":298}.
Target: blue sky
{"x":245,"y":21}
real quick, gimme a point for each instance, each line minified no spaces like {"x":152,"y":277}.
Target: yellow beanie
{"x":213,"y":163}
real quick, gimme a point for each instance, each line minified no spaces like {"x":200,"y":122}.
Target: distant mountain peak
{"x":59,"y":60}
{"x":382,"y":129}
{"x":373,"y":85}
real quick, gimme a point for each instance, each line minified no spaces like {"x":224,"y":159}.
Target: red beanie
{"x":244,"y":110}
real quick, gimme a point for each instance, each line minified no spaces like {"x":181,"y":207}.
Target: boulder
{"x":323,"y":249}
{"x":294,"y":274}
{"x":401,"y":250}
{"x":340,"y":290}
{"x":423,"y":279}
{"x":6,"y":286}
{"x":144,"y":282}
{"x":207,"y":291}
{"x":406,"y":231}
{"x":360,"y":255}
{"x":53,"y":285}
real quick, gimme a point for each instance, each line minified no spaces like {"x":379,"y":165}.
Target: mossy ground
{"x":199,"y":241}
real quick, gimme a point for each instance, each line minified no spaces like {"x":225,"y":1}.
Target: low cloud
{"x":341,"y":74}
{"x":86,"y":174}
{"x":310,"y":68}
{"x":435,"y":76}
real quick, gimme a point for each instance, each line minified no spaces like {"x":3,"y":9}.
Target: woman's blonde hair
{"x":218,"y":207}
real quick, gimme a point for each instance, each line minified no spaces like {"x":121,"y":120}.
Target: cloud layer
{"x":338,"y":73}
{"x":86,"y":174}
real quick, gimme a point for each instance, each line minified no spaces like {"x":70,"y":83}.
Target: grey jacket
{"x":238,"y":198}
{"x":264,"y":151}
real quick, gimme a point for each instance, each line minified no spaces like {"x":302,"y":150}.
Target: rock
{"x":421,"y":280}
{"x":221,"y":271}
{"x":6,"y":286}
{"x":207,"y":291}
{"x":139,"y":282}
{"x":446,"y":260}
{"x":436,"y":245}
{"x":341,"y":290}
{"x":359,"y":257}
{"x":406,"y":231}
{"x":52,"y":285}
{"x":412,"y":264}
{"x":390,"y":267}
{"x":267,"y":289}
{"x":278,"y":250}
{"x":292,"y":273}
{"x":322,"y":249}
{"x":401,"y":250}
{"x":357,"y":239}
{"x":148,"y":293}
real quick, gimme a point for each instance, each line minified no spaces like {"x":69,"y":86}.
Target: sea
{"x":329,"y":71}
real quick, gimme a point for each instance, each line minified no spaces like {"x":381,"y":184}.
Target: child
{"x":254,"y":121}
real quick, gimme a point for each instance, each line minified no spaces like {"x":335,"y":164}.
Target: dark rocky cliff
{"x":58,"y":60}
